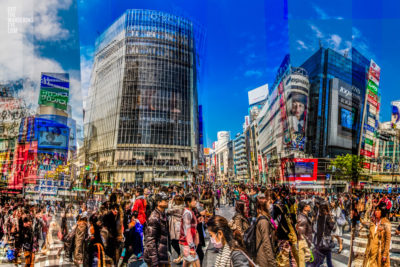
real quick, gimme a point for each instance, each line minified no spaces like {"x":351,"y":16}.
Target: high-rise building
{"x":224,"y":157}
{"x":142,"y":113}
{"x":337,"y":90}
{"x":239,"y":158}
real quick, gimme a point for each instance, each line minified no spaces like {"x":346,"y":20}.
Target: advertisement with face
{"x":395,"y":114}
{"x":53,"y":138}
{"x":297,"y":110}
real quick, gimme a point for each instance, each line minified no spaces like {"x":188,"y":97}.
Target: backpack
{"x":249,"y":238}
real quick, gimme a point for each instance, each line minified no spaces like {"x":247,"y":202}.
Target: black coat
{"x":157,"y":238}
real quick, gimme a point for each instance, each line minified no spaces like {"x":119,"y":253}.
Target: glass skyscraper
{"x":322,"y":67}
{"x":142,"y":111}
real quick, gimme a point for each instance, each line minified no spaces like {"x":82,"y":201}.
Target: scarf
{"x":224,"y":257}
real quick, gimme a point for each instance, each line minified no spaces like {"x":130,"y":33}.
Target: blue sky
{"x":246,"y":41}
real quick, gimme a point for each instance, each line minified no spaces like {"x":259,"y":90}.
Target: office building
{"x":142,"y":114}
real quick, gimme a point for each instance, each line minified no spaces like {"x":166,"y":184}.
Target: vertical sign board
{"x":260,"y":165}
{"x":54,"y":90}
{"x":371,"y":113}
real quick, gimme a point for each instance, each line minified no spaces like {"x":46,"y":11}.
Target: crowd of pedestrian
{"x":160,"y":226}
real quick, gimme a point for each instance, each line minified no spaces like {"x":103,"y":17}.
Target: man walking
{"x":157,"y":234}
{"x":189,"y":238}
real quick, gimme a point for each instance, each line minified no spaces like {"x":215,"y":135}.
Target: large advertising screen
{"x":299,"y":169}
{"x":54,"y":90}
{"x":347,"y":118}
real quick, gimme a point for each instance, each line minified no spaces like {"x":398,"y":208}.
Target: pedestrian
{"x":174,"y":212}
{"x":189,"y":237}
{"x":95,"y":255}
{"x":323,"y":237}
{"x":134,"y":241}
{"x":244,"y":197}
{"x":231,"y":251}
{"x":239,"y":222}
{"x":265,"y":229}
{"x":338,"y":218}
{"x":28,"y":241}
{"x":80,"y":239}
{"x":157,"y":234}
{"x":140,"y":206}
{"x":305,"y":233}
{"x":378,"y":246}
{"x":252,"y":204}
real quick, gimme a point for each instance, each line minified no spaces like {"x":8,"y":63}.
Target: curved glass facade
{"x":143,"y":95}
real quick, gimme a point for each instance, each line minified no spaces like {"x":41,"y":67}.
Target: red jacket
{"x":245,"y":198}
{"x":140,"y":206}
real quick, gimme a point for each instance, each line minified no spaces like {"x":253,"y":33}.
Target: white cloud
{"x":47,"y":25}
{"x":335,"y":40}
{"x":317,"y":31}
{"x":302,"y":45}
{"x":20,"y":59}
{"x":255,"y":73}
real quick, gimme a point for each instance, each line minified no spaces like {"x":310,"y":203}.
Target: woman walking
{"x":231,"y":252}
{"x":377,"y":251}
{"x":339,"y":220}
{"x":175,"y":211}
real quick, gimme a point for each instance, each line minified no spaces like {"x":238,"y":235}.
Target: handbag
{"x":341,"y":221}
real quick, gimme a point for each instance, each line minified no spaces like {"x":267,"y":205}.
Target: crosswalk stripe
{"x":360,"y":244}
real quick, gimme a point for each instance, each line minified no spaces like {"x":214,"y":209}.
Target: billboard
{"x":344,"y":114}
{"x":374,"y":73}
{"x":54,"y":90}
{"x":395,"y":114}
{"x":299,"y":169}
{"x":258,"y":95}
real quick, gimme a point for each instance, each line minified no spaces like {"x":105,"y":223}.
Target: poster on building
{"x":395,"y":114}
{"x":54,"y":90}
{"x":12,"y":109}
{"x":297,"y":111}
{"x":284,"y":120}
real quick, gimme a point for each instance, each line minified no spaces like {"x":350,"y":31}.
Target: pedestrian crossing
{"x":360,"y":244}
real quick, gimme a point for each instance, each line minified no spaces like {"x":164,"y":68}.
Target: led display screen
{"x":346,"y":118}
